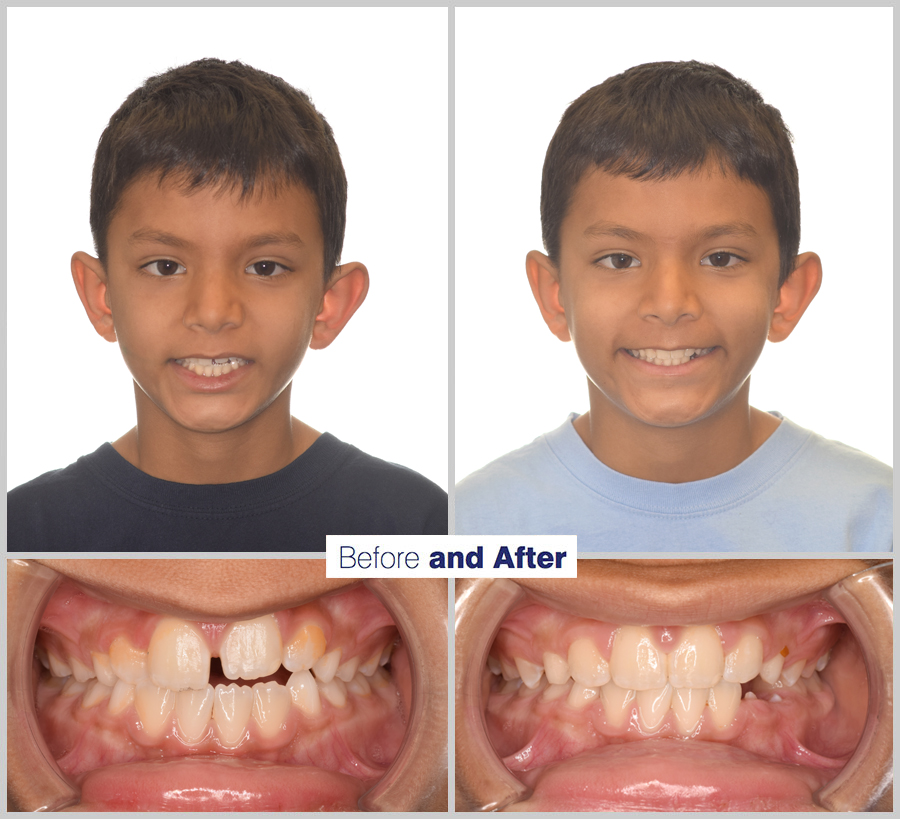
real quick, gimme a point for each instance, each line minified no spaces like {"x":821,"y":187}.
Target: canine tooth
{"x":335,"y":691}
{"x":723,"y":702}
{"x":73,"y":688}
{"x":359,"y":685}
{"x":556,"y":668}
{"x":554,"y":692}
{"x":792,"y":674}
{"x":770,"y":670}
{"x":80,"y":671}
{"x":153,"y":705}
{"x":251,"y":649}
{"x":305,"y":693}
{"x":346,"y":671}
{"x":271,"y":704}
{"x":698,"y":660}
{"x":823,"y":661}
{"x":96,"y":692}
{"x":508,"y":670}
{"x":58,"y":667}
{"x":128,"y":663}
{"x":326,"y":666}
{"x":305,"y":648}
{"x":193,"y":710}
{"x":688,"y":705}
{"x":744,"y":661}
{"x":121,"y":697}
{"x":616,"y":704}
{"x":580,"y":695}
{"x":653,"y":705}
{"x":586,"y":666}
{"x":178,"y":656}
{"x":529,"y":672}
{"x":635,"y":663}
{"x":493,"y":665}
{"x":103,"y":668}
{"x":808,"y":670}
{"x":232,"y":705}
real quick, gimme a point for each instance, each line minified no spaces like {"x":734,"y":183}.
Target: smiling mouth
{"x":212,"y":367}
{"x":300,"y":709}
{"x":669,"y":358}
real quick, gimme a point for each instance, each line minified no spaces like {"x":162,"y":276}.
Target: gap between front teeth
{"x":211,"y":367}
{"x":669,"y":358}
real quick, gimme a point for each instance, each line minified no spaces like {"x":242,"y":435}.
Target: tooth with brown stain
{"x":306,"y":646}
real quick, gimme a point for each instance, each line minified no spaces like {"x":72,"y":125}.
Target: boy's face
{"x":687,"y":266}
{"x":202,"y":276}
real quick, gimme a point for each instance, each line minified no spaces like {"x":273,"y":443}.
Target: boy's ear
{"x":543,"y":276}
{"x":346,"y":291}
{"x":795,"y":295}
{"x":91,"y":284}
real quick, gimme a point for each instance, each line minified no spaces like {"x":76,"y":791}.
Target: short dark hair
{"x":657,"y":120}
{"x":217,"y":123}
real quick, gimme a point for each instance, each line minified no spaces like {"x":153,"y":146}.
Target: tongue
{"x":218,"y":784}
{"x":667,"y":775}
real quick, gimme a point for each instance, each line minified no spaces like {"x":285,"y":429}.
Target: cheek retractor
{"x":483,"y":782}
{"x":866,"y":601}
{"x":29,"y":587}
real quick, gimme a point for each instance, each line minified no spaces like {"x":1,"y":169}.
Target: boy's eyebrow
{"x":601,"y":230}
{"x":170,"y":239}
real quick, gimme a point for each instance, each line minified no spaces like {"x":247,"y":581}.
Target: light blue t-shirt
{"x":797,"y":493}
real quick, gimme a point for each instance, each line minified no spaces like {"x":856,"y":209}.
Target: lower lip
{"x":212,"y":383}
{"x":675,"y":369}
{"x":670,"y":775}
{"x":192,"y":784}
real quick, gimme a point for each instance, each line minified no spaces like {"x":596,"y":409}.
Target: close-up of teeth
{"x":669,"y":358}
{"x":211,"y":367}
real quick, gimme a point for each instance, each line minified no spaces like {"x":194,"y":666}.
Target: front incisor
{"x":251,"y":649}
{"x":179,"y":657}
{"x":698,"y":660}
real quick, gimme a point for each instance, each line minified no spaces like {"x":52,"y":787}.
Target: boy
{"x":671,"y":219}
{"x":218,"y":207}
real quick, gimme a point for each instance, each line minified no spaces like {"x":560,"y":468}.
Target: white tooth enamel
{"x":305,"y":693}
{"x":529,"y":672}
{"x":193,"y":711}
{"x":492,"y":662}
{"x":103,"y":668}
{"x":750,"y":696}
{"x":823,"y":661}
{"x":368,"y":668}
{"x":698,"y":660}
{"x":770,"y":670}
{"x":580,"y":695}
{"x":80,"y":671}
{"x":508,"y":670}
{"x":791,"y":674}
{"x":326,"y":666}
{"x":121,"y":697}
{"x":744,"y":661}
{"x":58,"y":667}
{"x":231,"y":712}
{"x":41,"y":653}
{"x":775,"y":698}
{"x":335,"y":691}
{"x":307,"y":646}
{"x":346,"y":671}
{"x":586,"y":665}
{"x":154,"y":705}
{"x":808,"y":670}
{"x":687,"y":706}
{"x":73,"y":688}
{"x":251,"y":649}
{"x":723,"y":702}
{"x":359,"y":686}
{"x":178,"y":656}
{"x":129,"y":663}
{"x":554,"y":692}
{"x":616,"y":704}
{"x":96,"y":692}
{"x":386,"y":654}
{"x":635,"y":663}
{"x":271,"y":704}
{"x":653,"y":705}
{"x":539,"y":686}
{"x":556,"y":668}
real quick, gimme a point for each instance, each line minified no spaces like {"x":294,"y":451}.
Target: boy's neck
{"x":692,"y":452}
{"x":259,"y":447}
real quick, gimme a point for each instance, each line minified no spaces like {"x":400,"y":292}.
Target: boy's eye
{"x":163,"y":267}
{"x":265,"y":268}
{"x":619,"y":261}
{"x":721,"y":259}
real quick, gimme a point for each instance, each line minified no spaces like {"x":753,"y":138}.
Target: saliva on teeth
{"x":171,"y":679}
{"x":695,"y":678}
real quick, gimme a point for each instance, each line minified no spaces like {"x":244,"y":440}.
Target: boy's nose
{"x":213,"y":302}
{"x":670,"y":294}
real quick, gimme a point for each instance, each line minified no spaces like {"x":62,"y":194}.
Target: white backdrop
{"x":829,"y":72}
{"x":380,"y":78}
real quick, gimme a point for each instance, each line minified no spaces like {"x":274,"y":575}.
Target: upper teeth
{"x":669,"y":358}
{"x":210,"y":367}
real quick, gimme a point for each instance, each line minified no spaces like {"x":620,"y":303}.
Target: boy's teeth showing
{"x":211,"y":367}
{"x":669,"y":358}
{"x":251,"y":649}
{"x":179,"y":656}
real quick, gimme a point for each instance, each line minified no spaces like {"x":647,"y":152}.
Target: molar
{"x":271,"y":704}
{"x":493,"y":664}
{"x":307,"y":646}
{"x":698,"y":659}
{"x":653,"y":705}
{"x":251,"y":649}
{"x":231,"y":712}
{"x":586,"y":665}
{"x":723,"y":702}
{"x":744,"y":661}
{"x":359,"y":685}
{"x":128,"y":663}
{"x":153,"y":705}
{"x":178,"y":655}
{"x":335,"y":691}
{"x":635,"y":663}
{"x":305,"y":693}
{"x":193,"y":710}
{"x":58,"y":667}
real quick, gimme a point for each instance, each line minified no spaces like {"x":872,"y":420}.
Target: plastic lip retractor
{"x":417,"y":774}
{"x":864,"y":599}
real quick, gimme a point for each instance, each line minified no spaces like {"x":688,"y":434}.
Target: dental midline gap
{"x":669,"y":358}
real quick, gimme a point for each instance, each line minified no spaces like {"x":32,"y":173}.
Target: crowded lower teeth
{"x":211,"y":367}
{"x":669,"y":358}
